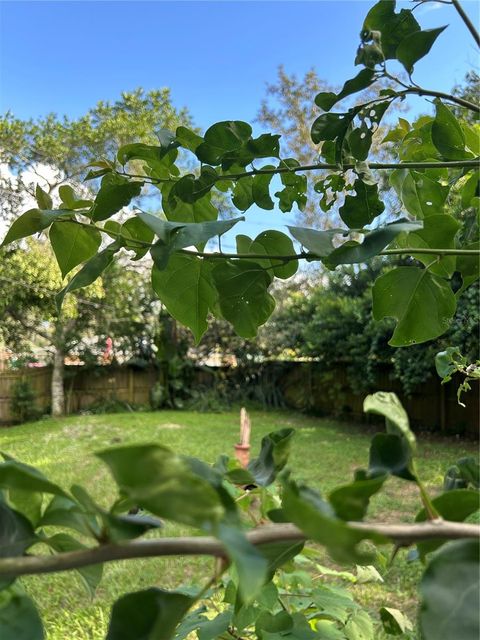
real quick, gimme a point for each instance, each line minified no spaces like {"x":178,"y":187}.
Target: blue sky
{"x":215,"y":56}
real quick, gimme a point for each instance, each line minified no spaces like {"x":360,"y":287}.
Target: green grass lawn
{"x":325,"y":453}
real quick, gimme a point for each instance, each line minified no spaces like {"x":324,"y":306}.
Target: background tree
{"x":54,"y":150}
{"x":118,"y":306}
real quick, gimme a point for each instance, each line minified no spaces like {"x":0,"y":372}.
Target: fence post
{"x":131,"y":386}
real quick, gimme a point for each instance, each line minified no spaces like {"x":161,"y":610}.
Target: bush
{"x":22,"y":403}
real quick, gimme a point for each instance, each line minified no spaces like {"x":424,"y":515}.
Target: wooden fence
{"x":303,"y":386}
{"x":83,"y":387}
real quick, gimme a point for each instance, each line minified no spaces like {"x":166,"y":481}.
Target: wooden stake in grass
{"x":242,"y":449}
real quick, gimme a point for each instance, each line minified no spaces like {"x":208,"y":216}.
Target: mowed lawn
{"x":324,"y":454}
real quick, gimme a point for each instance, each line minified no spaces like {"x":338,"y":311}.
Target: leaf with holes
{"x":362,"y":208}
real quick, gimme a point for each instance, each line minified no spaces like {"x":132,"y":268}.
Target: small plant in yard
{"x":23,"y":402}
{"x":256,"y":521}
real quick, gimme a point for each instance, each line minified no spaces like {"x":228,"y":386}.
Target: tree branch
{"x":447,"y":164}
{"x":400,"y":534}
{"x":419,"y":91}
{"x":28,"y":327}
{"x":469,"y":24}
{"x":312,"y":256}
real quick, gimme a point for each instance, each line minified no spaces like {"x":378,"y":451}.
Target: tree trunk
{"x":58,"y":393}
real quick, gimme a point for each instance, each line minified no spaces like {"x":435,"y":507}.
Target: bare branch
{"x":400,"y":534}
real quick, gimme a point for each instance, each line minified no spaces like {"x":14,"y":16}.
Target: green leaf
{"x":136,"y":233}
{"x":114,"y":527}
{"x":64,"y":512}
{"x":416,"y":46}
{"x":176,"y":235}
{"x":374,"y":242}
{"x":438,"y":232}
{"x":470,"y":189}
{"x":250,"y":564}
{"x":188,"y":139}
{"x":152,"y":155}
{"x":394,"y":622}
{"x":360,"y":137}
{"x":423,"y":304}
{"x":186,"y":289}
{"x":273,"y":457}
{"x":19,"y":618}
{"x":359,"y":627}
{"x":387,"y":404}
{"x":265,"y":146}
{"x":73,"y":244}
{"x":447,"y":134}
{"x":334,"y":602}
{"x":115,"y":193}
{"x":91,"y":575}
{"x":155,"y":478}
{"x":362,"y":80}
{"x":305,"y":508}
{"x":387,"y":28}
{"x":390,"y":453}
{"x":17,"y":475}
{"x":445,"y":361}
{"x":243,"y":193}
{"x":317,"y":242}
{"x":152,"y":614}
{"x":279,"y":553}
{"x":90,"y":271}
{"x":455,"y":506}
{"x":43,"y":199}
{"x":261,"y":191}
{"x":243,"y":296}
{"x":177,"y":211}
{"x":221,"y":140}
{"x":351,"y":501}
{"x":469,"y":267}
{"x":16,"y":533}
{"x":362,"y":208}
{"x":189,"y":189}
{"x":272,"y":243}
{"x":216,"y":627}
{"x":330,"y":126}
{"x":450,"y":593}
{"x":30,"y":222}
{"x":70,"y":200}
{"x":27,"y":503}
{"x":421,"y":196}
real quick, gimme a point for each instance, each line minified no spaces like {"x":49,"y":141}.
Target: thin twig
{"x":469,"y":24}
